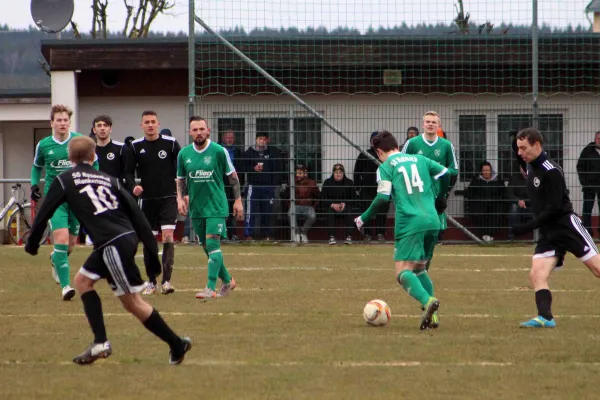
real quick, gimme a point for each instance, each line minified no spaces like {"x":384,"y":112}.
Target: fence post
{"x":292,"y":178}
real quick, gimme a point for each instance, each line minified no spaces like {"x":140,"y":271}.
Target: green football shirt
{"x":53,"y":156}
{"x":410,"y":180}
{"x":203,"y":171}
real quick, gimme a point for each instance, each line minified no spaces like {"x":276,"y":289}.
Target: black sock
{"x":543,"y":300}
{"x":159,"y":327}
{"x":92,"y":306}
{"x":151,"y":275}
{"x":168,"y":259}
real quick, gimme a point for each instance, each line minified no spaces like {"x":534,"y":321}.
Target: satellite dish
{"x":52,"y":16}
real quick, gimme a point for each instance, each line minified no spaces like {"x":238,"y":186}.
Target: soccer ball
{"x":377,"y":313}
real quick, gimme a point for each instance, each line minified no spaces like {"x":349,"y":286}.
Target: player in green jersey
{"x":51,"y":154}
{"x":201,"y":166}
{"x":436,"y":148}
{"x":410,"y":181}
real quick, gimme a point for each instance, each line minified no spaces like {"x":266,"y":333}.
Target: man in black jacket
{"x":588,"y":170}
{"x":338,"y":196}
{"x":262,"y":165}
{"x":561,"y":231}
{"x":235,"y":155}
{"x":365,"y":179}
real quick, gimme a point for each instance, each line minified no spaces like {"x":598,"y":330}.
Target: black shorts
{"x":160,"y":213}
{"x":116,"y":263}
{"x":566,"y":234}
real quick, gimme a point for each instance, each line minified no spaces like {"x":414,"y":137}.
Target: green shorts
{"x":209,"y":226}
{"x":62,"y":218}
{"x":416,"y":247}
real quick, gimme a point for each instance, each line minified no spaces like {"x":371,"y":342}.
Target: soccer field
{"x":293,"y":329}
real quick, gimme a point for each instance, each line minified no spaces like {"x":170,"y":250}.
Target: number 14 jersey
{"x":410,"y":180}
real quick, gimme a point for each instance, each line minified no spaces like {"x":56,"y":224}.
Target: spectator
{"x":484,"y":201}
{"x":365,"y":180}
{"x":412,"y":132}
{"x":306,"y":201}
{"x":519,"y":201}
{"x":261,"y":164}
{"x":337,"y":196}
{"x":166,"y":132}
{"x":588,"y":170}
{"x":235,"y":154}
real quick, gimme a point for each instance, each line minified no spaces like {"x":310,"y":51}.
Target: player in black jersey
{"x":113,"y":156}
{"x":560,"y":228}
{"x":155,"y":158}
{"x":114,"y":221}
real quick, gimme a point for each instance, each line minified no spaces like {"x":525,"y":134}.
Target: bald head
{"x":82,"y":149}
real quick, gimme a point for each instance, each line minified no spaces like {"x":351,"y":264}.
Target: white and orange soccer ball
{"x":377,"y":313}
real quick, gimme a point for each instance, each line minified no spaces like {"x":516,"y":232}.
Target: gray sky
{"x":328,"y":13}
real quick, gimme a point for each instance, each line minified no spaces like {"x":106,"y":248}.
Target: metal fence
{"x":278,"y":206}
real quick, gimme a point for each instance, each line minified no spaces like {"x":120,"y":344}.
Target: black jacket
{"x":588,"y":166}
{"x":485,"y":196}
{"x":272,"y":166}
{"x":517,"y":188}
{"x":365,"y":171}
{"x":338,"y":192}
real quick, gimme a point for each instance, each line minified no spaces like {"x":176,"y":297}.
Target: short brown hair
{"x":149,"y":112}
{"x":532,"y":135}
{"x":103,"y":118}
{"x":59,"y":108}
{"x":385,"y":141}
{"x":194,"y":118}
{"x":81,"y":149}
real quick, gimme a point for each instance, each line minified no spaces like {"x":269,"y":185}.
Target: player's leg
{"x":167,"y":219}
{"x":215,"y":230}
{"x":209,"y":292}
{"x":541,"y":268}
{"x":430,"y":240}
{"x":59,"y":224}
{"x":150,"y":211}
{"x":409,"y":255}
{"x":125,"y":280}
{"x":92,"y":270}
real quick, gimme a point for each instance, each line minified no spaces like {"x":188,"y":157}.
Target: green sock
{"x":60,"y":259}
{"x":215,"y":260}
{"x":425,"y":280}
{"x":224,"y":274}
{"x":413,"y":287}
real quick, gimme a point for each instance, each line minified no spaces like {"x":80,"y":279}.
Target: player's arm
{"x":96,"y":163}
{"x":126,"y":171}
{"x":381,"y":201}
{"x":554,"y":187}
{"x":234,"y":182}
{"x":446,"y":181}
{"x":443,"y":174}
{"x":36,"y":173}
{"x":181,"y":186}
{"x":406,"y":148}
{"x":54,"y":198}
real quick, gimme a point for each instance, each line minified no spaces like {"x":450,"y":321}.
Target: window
{"x":472,"y":151}
{"x":307,"y":141}
{"x":551,"y":127}
{"x":237,"y":125}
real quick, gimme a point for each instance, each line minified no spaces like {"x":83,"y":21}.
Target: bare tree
{"x":462,"y":19}
{"x":140,"y":14}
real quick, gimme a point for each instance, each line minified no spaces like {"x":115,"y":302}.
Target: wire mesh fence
{"x":488,"y":68}
{"x":273,"y":145}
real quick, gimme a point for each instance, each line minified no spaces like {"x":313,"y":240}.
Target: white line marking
{"x":397,"y":289}
{"x":272,"y":314}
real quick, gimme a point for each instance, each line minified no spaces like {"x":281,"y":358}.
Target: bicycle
{"x":21,"y":216}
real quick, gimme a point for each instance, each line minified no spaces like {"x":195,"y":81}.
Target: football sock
{"x":157,"y":325}
{"x":413,"y":287}
{"x":223,"y":273}
{"x":543,"y":300}
{"x":60,"y":260}
{"x":168,"y":259}
{"x":215,"y":260}
{"x":151,"y":275}
{"x":92,"y":306}
{"x":425,"y":280}
{"x":427,"y":265}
